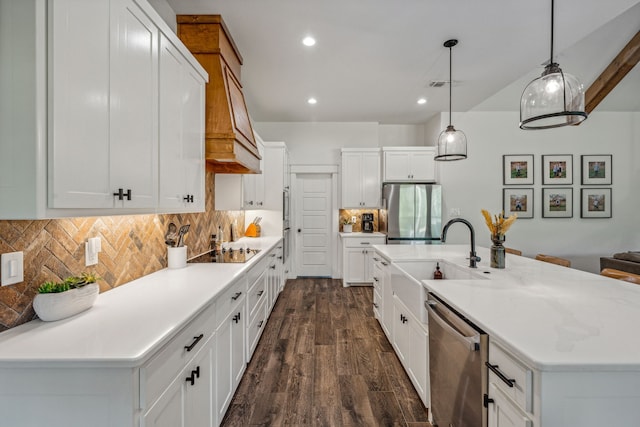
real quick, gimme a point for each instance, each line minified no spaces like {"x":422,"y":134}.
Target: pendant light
{"x":554,"y":99}
{"x":452,"y":143}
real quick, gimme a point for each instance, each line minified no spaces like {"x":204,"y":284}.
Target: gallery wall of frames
{"x":556,"y":192}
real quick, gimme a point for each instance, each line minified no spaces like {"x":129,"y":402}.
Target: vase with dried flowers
{"x":498,"y":226}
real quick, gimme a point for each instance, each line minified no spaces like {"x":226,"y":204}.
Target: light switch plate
{"x":91,"y":249}
{"x":12,"y":266}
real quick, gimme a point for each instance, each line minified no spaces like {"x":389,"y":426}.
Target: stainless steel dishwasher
{"x":458,"y":351}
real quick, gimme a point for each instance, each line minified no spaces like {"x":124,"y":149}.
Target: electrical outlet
{"x":12,"y":268}
{"x":353,"y":219}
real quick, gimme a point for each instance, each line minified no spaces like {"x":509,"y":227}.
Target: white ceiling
{"x":374,"y":58}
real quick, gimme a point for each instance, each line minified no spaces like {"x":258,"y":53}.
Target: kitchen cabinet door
{"x":354,"y":267}
{"x":503,"y":413}
{"x":181,"y":139}
{"x":230,"y":356}
{"x":416,"y":165}
{"x":186,"y":403}
{"x":360,"y":179}
{"x":410,"y":341}
{"x":79,"y":131}
{"x":133,"y":150}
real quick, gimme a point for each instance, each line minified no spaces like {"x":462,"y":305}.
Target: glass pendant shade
{"x":552,"y":100}
{"x":452,"y":145}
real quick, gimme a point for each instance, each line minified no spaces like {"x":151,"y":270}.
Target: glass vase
{"x":497,"y":251}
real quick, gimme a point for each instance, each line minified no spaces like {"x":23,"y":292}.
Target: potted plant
{"x":59,"y":300}
{"x":347,"y":226}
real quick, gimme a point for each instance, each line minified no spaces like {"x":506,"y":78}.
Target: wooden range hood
{"x":230,"y":143}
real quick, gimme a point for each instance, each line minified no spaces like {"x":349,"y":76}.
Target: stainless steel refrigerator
{"x":413,"y":213}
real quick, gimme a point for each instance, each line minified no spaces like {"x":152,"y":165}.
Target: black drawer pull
{"x":384,"y":263}
{"x":236,"y":296}
{"x":503,"y":377}
{"x":260,"y":293}
{"x":260,"y":323}
{"x":188,"y":198}
{"x":196,"y":340}
{"x":197,"y":372}
{"x":375,"y":305}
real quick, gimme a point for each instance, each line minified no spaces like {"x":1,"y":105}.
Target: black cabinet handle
{"x":191,"y":379}
{"x":194,"y":374}
{"x":122,"y":194}
{"x":260,"y":293}
{"x":188,"y":198}
{"x":498,"y":372}
{"x":279,"y":257}
{"x":273,"y":267}
{"x":376,"y":279}
{"x":384,"y":263}
{"x":236,"y":318}
{"x":486,"y":400}
{"x":260,"y":323}
{"x":375,"y":305}
{"x":236,"y":296}
{"x":196,"y":340}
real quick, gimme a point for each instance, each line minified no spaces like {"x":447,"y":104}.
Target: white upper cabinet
{"x":361,"y":184}
{"x":276,"y":174}
{"x":181,"y":149}
{"x":409,"y":164}
{"x":81,"y":116}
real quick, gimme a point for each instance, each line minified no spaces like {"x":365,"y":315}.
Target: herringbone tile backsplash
{"x":132,"y":246}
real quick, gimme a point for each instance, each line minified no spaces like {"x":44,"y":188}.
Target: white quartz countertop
{"x":361,"y":234}
{"x":552,"y":317}
{"x":129,"y":323}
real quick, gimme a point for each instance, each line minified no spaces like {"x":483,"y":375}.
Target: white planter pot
{"x":50,"y":307}
{"x":347,"y":228}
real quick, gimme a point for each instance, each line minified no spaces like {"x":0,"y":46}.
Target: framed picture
{"x":596,"y":203}
{"x":518,"y":201}
{"x":517,"y":169}
{"x":557,"y":202}
{"x":596,"y":169}
{"x":557,"y":169}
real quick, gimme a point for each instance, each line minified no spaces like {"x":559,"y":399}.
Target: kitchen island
{"x":567,"y":335}
{"x":124,"y":362}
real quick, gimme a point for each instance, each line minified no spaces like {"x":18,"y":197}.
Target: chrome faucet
{"x":473,"y":258}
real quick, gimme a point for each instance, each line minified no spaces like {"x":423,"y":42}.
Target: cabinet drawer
{"x":258,"y":269}
{"x":257,"y":293}
{"x":255,"y":328}
{"x":229,"y":300}
{"x":158,"y":373}
{"x":363,"y":242}
{"x":377,"y":303}
{"x":520,"y":375}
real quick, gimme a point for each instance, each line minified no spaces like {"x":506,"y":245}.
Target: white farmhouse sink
{"x":406,"y":277}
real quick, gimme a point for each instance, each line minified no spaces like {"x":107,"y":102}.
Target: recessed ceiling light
{"x":422,"y":101}
{"x":312,"y":101}
{"x":308,"y":41}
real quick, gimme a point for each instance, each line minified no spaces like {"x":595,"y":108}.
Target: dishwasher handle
{"x":472,"y":342}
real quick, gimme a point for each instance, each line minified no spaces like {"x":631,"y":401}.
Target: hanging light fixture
{"x":552,"y":100}
{"x":452,"y":143}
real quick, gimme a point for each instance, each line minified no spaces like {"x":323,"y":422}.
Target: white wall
{"x":476,"y":183}
{"x":400,"y":135}
{"x":166,"y":12}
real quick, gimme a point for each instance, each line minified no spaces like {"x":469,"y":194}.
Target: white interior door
{"x":313,"y":222}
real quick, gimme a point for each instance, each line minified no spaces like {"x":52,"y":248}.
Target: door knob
{"x":299,"y":230}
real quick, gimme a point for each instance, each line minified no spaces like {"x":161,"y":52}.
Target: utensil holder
{"x":177,"y":257}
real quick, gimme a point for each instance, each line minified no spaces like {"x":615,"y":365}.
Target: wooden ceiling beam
{"x":613,"y":74}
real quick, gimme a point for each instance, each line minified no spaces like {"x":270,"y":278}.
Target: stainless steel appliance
{"x":225,"y":255}
{"x":414,"y":213}
{"x":367,"y":223}
{"x":458,"y":351}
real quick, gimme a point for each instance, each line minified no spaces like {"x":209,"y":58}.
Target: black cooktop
{"x":226,"y":255}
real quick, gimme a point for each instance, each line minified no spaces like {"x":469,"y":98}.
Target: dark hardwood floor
{"x":323,"y":360}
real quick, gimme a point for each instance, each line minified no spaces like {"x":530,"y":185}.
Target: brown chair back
{"x":554,"y":260}
{"x":621,"y":275}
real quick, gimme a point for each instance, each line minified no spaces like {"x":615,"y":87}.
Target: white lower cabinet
{"x":383,"y":294}
{"x":504,"y":413}
{"x":187,"y":400}
{"x":410,"y":341}
{"x":357,"y":254}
